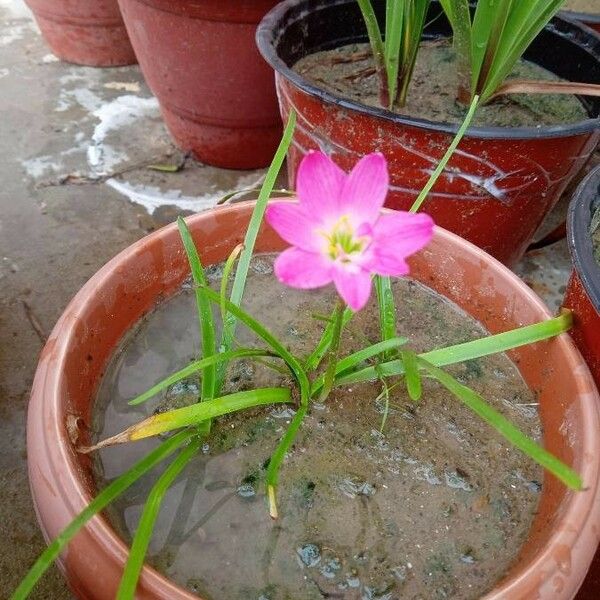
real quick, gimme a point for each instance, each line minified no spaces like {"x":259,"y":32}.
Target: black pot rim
{"x":581,"y":16}
{"x":271,"y":23}
{"x":585,"y":201}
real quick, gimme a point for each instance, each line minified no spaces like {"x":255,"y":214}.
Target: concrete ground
{"x":75,"y":188}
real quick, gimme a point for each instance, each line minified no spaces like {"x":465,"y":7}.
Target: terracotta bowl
{"x":562,"y":540}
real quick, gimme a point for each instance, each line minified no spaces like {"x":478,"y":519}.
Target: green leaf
{"x":459,"y":16}
{"x":496,"y":39}
{"x":272,"y":475}
{"x":447,"y":156}
{"x":524,"y":24}
{"x":205,"y":315}
{"x":394,"y":30}
{"x":317,"y":355}
{"x":413,"y":377}
{"x":196,"y":366}
{"x":101,"y":501}
{"x":239,"y":282}
{"x":223,"y":289}
{"x":493,"y":344}
{"x":278,"y":348}
{"x":141,"y":540}
{"x":501,"y":342}
{"x":373,"y":32}
{"x":351,"y":361}
{"x":387,"y":309}
{"x":503,"y":426}
{"x":196,"y":414}
{"x":167,"y":168}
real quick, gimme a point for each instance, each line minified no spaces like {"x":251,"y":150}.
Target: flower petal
{"x":293,"y":225}
{"x":354,"y":286}
{"x":402,"y":233}
{"x":387,"y":263}
{"x":304,"y":270}
{"x":319,"y":186}
{"x":366,"y":188}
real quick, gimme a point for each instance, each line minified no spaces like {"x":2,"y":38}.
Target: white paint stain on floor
{"x":106,"y":125}
{"x":15,"y":9}
{"x":122,"y":112}
{"x":151,"y":197}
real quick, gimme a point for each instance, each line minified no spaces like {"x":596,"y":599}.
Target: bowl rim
{"x":580,"y":508}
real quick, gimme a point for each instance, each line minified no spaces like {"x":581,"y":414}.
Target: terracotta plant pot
{"x":502,"y":181}
{"x":553,"y":561}
{"x":216,"y":94}
{"x":591,"y":20}
{"x":84,"y":32}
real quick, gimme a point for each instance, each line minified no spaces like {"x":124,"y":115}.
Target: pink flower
{"x":338,"y":232}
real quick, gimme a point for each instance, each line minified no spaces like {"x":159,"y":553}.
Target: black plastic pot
{"x":500,"y":185}
{"x":590,"y":19}
{"x":583,"y":292}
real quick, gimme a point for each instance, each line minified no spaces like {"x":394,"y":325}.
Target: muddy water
{"x":436,"y":506}
{"x":348,"y":72}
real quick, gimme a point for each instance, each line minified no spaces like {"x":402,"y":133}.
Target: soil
{"x":411,"y":511}
{"x":348,"y":71}
{"x":585,"y":6}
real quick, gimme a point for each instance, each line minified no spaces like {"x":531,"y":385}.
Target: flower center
{"x":342,"y":242}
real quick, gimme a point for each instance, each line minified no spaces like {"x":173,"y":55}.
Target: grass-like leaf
{"x":500,"y":342}
{"x":137,"y":552}
{"x":272,"y":475}
{"x":412,"y":375}
{"x":103,"y":499}
{"x":229,"y":264}
{"x":317,"y":355}
{"x":503,"y":426}
{"x":447,"y":156}
{"x":395,"y":52}
{"x":239,"y":282}
{"x":196,"y":366}
{"x":387,"y":309}
{"x":489,"y":44}
{"x":353,"y":360}
{"x":205,"y":314}
{"x":196,"y":414}
{"x":261,"y":331}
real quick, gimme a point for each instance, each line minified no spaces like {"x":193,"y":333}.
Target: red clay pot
{"x":583,"y":298}
{"x":591,"y":20}
{"x":565,"y":532}
{"x":216,"y":94}
{"x":583,"y":291}
{"x":500,"y":183}
{"x":84,"y":32}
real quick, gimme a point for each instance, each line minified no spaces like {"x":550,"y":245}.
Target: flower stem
{"x":332,"y":356}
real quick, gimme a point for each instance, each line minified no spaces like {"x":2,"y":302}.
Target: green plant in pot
{"x":487,"y":44}
{"x":337,"y":234}
{"x":349,"y":69}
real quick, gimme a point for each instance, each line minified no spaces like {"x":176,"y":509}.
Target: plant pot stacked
{"x":84,"y":32}
{"x":216,"y":94}
{"x":503,"y":181}
{"x":562,"y":540}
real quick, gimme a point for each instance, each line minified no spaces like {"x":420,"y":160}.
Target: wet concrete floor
{"x":76,"y":188}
